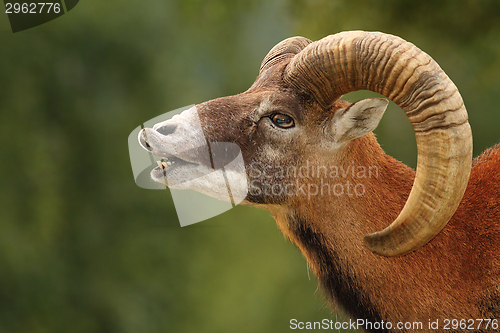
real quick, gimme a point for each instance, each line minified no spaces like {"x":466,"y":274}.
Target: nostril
{"x":166,"y":129}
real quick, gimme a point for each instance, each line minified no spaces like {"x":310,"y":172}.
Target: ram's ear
{"x":358,"y":119}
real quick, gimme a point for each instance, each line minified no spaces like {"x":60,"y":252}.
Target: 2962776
{"x":32,"y":8}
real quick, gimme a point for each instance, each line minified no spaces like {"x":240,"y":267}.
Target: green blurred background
{"x":83,"y":249}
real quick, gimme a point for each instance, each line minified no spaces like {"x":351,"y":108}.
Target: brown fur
{"x":455,"y":276}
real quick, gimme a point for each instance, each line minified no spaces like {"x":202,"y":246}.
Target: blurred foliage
{"x":83,"y":249}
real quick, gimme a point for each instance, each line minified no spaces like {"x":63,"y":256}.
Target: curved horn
{"x":287,"y":48}
{"x":350,"y":61}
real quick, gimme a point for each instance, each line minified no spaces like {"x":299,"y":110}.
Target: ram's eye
{"x":282,"y":120}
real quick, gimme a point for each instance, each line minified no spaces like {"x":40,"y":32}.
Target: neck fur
{"x":329,"y":228}
{"x":444,"y":279}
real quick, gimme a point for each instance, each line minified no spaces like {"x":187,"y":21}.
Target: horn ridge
{"x":283,"y":50}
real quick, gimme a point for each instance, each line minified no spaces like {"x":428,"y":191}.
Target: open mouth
{"x":170,"y":167}
{"x":186,"y":160}
{"x":167,"y":164}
